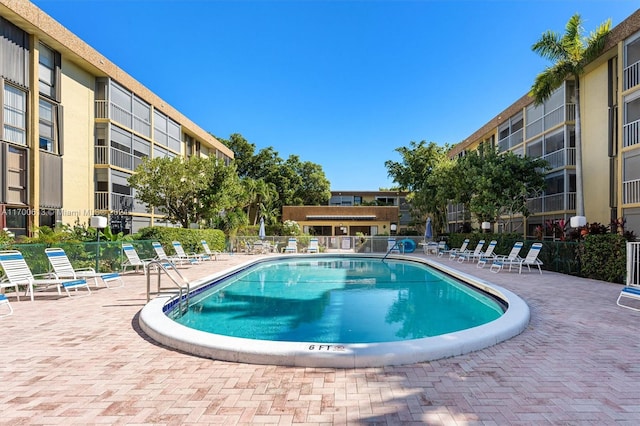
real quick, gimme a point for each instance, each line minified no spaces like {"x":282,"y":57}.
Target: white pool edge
{"x":165,"y":331}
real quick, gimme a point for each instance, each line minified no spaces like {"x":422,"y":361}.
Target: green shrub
{"x":603,"y":257}
{"x":190,"y":238}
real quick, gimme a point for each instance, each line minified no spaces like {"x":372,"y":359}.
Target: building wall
{"x":603,"y":150}
{"x":595,"y":146}
{"x":80,"y":68}
{"x":349,"y":217}
{"x":77,"y":99}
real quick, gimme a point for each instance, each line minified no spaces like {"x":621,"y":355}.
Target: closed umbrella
{"x":261,"y":231}
{"x":428,"y":230}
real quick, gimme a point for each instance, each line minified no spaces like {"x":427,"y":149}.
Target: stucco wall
{"x":78,"y":101}
{"x":595,"y":152}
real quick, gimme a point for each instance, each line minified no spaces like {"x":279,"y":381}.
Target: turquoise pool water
{"x":339,"y":300}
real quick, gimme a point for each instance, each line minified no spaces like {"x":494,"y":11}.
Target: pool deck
{"x":85,"y":361}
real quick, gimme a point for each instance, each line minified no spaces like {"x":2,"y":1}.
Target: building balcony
{"x":552,"y":203}
{"x":115,"y":157}
{"x":631,"y":75}
{"x":631,"y":191}
{"x":115,"y":203}
{"x":630,"y":133}
{"x":561,"y":158}
{"x":108,"y":110}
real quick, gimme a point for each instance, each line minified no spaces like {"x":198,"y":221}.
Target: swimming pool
{"x":366,"y":276}
{"x":333,"y":299}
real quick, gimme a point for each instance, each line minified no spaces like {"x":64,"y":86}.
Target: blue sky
{"x":338,"y":83}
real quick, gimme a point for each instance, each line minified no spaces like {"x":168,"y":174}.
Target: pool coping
{"x":157,"y":325}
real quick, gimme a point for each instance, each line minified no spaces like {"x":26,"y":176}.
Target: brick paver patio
{"x":85,"y":361}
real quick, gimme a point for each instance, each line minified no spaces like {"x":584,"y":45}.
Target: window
{"x":173,"y":131}
{"x":160,"y":128}
{"x":48,"y":68}
{"x":534,"y":149}
{"x":16,"y":175}
{"x":631,"y":166}
{"x":632,"y":111}
{"x":46,"y":127}
{"x":15,"y":115}
{"x":17,"y":221}
{"x":119,"y":183}
{"x":554,"y":142}
{"x":555,"y":184}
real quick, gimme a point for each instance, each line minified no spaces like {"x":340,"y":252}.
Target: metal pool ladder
{"x":398,"y":245}
{"x":163,"y":265}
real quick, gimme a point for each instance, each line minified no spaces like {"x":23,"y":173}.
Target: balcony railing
{"x":116,"y":157}
{"x":630,"y":132}
{"x":631,"y":75}
{"x":101,"y":200}
{"x":561,"y":158}
{"x":631,"y":191}
{"x":106,"y":109}
{"x":566,"y":112}
{"x":101,"y":154}
{"x":551,"y":203}
{"x":102,"y":109}
{"x":117,"y":203}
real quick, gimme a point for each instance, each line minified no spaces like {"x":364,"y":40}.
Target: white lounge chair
{"x":454,"y":251}
{"x":4,"y":302}
{"x":133,"y":260}
{"x":313,"y":246}
{"x":211,"y":255}
{"x":499,"y":261}
{"x":468,"y":255}
{"x":530,"y":260}
{"x":17,"y":272}
{"x":63,"y":269}
{"x":258,"y":247}
{"x":292,"y":246}
{"x":487,"y":254}
{"x":162,"y":255}
{"x":192,"y":257}
{"x":627,"y":294}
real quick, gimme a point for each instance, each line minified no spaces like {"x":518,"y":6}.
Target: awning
{"x":342,"y":217}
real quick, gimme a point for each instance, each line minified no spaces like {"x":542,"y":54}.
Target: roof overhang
{"x":341,"y":217}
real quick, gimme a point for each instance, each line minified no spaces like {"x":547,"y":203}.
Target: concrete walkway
{"x":85,"y":361}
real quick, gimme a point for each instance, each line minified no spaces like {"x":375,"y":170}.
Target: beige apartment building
{"x":610,"y":107}
{"x":354,"y":212}
{"x":74,"y":126}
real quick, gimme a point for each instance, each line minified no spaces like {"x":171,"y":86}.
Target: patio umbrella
{"x":261,"y":231}
{"x":428,"y":230}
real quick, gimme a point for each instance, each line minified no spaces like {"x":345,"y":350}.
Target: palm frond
{"x":549,"y":80}
{"x":596,"y":41}
{"x":549,"y":46}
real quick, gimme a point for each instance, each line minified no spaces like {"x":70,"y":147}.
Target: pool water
{"x":339,"y":300}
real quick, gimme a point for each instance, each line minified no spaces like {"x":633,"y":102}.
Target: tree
{"x":186,"y":190}
{"x":423,"y":172}
{"x":296,"y":182}
{"x":570,"y":53}
{"x":501,"y":183}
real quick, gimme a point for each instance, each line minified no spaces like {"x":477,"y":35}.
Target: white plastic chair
{"x":183,"y":256}
{"x":210,"y":255}
{"x":17,"y":272}
{"x":4,"y":302}
{"x":63,"y":269}
{"x":133,"y":260}
{"x":313,"y":246}
{"x":292,"y":246}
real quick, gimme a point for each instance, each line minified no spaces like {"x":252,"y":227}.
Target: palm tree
{"x":570,"y":53}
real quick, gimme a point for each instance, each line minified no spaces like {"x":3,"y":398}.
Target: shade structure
{"x":261,"y":231}
{"x":428,"y":230}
